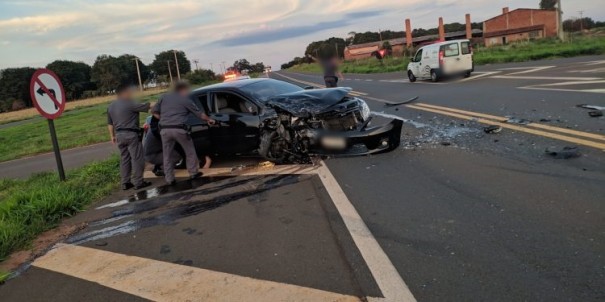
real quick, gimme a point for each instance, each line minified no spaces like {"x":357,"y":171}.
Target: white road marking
{"x":113,"y":205}
{"x":385,"y":274}
{"x":591,"y":63}
{"x":528,"y":69}
{"x":163,"y":281}
{"x":553,"y":86}
{"x":479,"y":75}
{"x":545,"y":78}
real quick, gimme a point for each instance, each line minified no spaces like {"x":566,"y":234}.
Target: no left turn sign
{"x":47,"y":93}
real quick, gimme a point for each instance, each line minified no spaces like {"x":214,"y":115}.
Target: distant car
{"x":440,"y":60}
{"x":279,"y":121}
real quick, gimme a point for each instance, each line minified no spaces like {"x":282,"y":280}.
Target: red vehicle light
{"x":441,"y":55}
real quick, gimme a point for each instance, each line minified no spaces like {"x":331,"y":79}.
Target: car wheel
{"x":411,"y":76}
{"x":434,"y":76}
{"x":273,"y":148}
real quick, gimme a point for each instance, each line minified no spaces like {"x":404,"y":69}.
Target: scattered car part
{"x":493,"y":129}
{"x":593,"y":107}
{"x":518,"y":121}
{"x":596,"y":113}
{"x":401,"y":103}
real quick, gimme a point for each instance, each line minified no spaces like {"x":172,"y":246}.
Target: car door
{"x":466,"y":56}
{"x":416,"y":63}
{"x":238,"y":122}
{"x":200,"y":130}
{"x":451,"y":58}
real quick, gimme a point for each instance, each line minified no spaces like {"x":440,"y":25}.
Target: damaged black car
{"x":279,"y":121}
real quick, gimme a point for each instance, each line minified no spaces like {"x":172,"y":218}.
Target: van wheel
{"x":467,"y":74}
{"x":434,"y":76}
{"x":411,"y":76}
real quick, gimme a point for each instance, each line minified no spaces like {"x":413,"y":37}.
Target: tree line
{"x":82,"y":81}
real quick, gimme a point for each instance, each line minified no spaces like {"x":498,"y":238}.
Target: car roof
{"x":233,"y":84}
{"x":444,"y":42}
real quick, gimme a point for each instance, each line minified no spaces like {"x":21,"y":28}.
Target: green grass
{"x":4,"y":276}
{"x":539,"y":50}
{"x":80,"y":127}
{"x":30,"y":207}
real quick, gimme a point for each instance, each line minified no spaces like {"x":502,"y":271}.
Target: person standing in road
{"x":331,"y":72}
{"x":172,"y":110}
{"x":124,"y":129}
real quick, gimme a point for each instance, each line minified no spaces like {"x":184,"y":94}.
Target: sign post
{"x":48,"y":96}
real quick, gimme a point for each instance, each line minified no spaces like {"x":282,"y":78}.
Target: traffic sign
{"x":48,"y":96}
{"x":47,"y":93}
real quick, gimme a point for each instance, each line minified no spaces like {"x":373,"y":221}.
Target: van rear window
{"x":451,"y":50}
{"x":466,"y":48}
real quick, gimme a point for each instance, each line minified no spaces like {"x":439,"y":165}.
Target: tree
{"x":160,"y":65}
{"x":578,"y":24}
{"x":326,"y":48}
{"x":14,"y":87}
{"x":201,"y":76}
{"x":75,"y":77}
{"x":548,"y":4}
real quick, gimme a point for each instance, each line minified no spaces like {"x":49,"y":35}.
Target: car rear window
{"x":466,"y":48}
{"x":451,"y":50}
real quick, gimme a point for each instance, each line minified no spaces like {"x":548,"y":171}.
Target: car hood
{"x":309,"y":102}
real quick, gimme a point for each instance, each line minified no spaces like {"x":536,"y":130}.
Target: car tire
{"x":266,"y":148}
{"x":434,"y":76}
{"x":411,"y":76}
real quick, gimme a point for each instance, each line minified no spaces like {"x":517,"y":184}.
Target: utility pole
{"x":224,"y":68}
{"x":139,"y":74}
{"x":195,"y":61}
{"x":560,"y":21}
{"x":581,"y":20}
{"x":212,"y":67}
{"x":176,"y":63}
{"x":337,"y":54}
{"x":170,"y":72}
{"x":380,"y":32}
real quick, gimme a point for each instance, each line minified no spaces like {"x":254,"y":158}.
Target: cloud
{"x":266,"y":34}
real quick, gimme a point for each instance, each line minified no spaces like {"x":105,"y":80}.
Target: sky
{"x":35,"y":33}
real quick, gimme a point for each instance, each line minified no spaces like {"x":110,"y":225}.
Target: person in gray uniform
{"x":172,"y":110}
{"x":123,"y":125}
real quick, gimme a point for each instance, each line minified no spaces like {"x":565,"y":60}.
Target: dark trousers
{"x":169,"y":138}
{"x":331,"y":82}
{"x":132,"y":162}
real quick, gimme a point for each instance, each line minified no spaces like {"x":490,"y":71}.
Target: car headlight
{"x":365,"y":110}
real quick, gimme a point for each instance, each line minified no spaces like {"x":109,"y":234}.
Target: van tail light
{"x":441,"y":55}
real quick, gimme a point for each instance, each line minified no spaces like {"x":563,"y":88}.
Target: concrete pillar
{"x":469,"y":31}
{"x":408,"y":33}
{"x":441,"y":30}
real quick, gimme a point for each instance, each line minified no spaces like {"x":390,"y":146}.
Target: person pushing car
{"x":172,"y":111}
{"x":123,"y":126}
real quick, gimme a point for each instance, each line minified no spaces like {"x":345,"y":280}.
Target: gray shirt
{"x":174,"y":109}
{"x":124,"y":114}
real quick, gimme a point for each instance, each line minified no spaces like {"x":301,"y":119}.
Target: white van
{"x":443,"y":59}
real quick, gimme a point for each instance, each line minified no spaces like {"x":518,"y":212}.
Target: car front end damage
{"x":325,"y":122}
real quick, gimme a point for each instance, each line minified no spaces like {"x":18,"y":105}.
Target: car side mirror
{"x":309,"y":88}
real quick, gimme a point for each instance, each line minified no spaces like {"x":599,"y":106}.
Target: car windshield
{"x":265,"y":90}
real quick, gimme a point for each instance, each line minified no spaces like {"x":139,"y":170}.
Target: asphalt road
{"x":454,"y":214}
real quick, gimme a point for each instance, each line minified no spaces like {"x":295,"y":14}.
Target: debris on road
{"x":401,"y":103}
{"x":566,"y":152}
{"x":596,"y":113}
{"x":593,"y":107}
{"x":492,"y":129}
{"x":518,"y":121}
{"x":266,"y":165}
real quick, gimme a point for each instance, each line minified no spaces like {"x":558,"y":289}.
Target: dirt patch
{"x":40,"y":245}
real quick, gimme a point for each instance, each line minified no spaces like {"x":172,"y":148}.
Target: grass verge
{"x":30,"y":207}
{"x":539,"y":50}
{"x":24,"y":114}
{"x":76,"y":128}
{"x":369,"y":65}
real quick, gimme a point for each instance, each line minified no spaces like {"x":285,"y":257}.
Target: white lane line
{"x":545,"y":78}
{"x":385,"y":274}
{"x":591,"y":63}
{"x":479,"y":75}
{"x":528,"y":69}
{"x":563,"y":89}
{"x":163,"y":281}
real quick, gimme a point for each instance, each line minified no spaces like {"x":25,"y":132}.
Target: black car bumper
{"x":373,"y":140}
